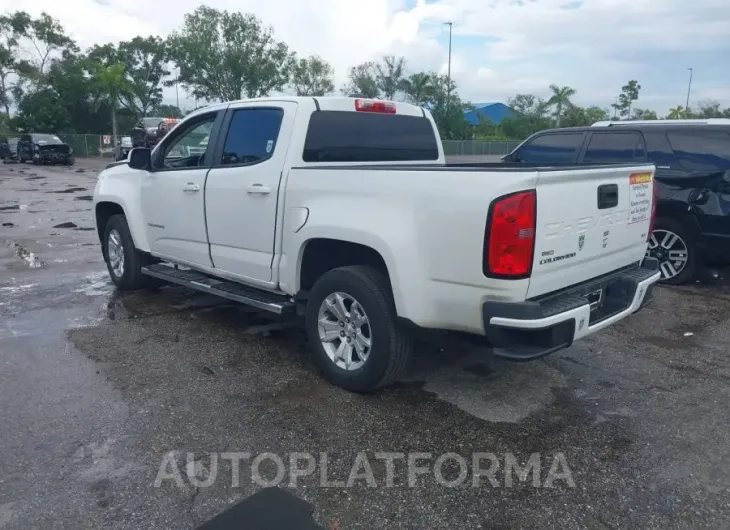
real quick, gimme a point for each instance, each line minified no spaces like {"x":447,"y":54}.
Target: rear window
{"x":341,"y":136}
{"x":700,"y":150}
{"x":560,"y":148}
{"x":615,"y":148}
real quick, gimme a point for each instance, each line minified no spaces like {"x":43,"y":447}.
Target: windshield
{"x":46,"y":139}
{"x":152,"y":122}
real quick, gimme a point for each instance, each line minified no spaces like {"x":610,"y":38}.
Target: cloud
{"x":500,"y":47}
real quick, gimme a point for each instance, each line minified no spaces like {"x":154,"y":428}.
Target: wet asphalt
{"x":97,"y":386}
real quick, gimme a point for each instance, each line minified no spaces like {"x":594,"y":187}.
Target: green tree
{"x":583,"y":116}
{"x":166,"y":111}
{"x":9,"y":51}
{"x":676,"y":113}
{"x":531,"y":116}
{"x":629,"y":94}
{"x":707,"y":108}
{"x":145,"y":68}
{"x":389,"y":75}
{"x":448,"y":109}
{"x":361,"y":81}
{"x":227,"y":56}
{"x":644,"y":114}
{"x":109,"y":82}
{"x":560,"y":99}
{"x":312,"y":76}
{"x":418,"y":88}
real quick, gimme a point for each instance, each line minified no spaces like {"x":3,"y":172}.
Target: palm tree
{"x":560,"y":100}
{"x":419,"y":88}
{"x":110,"y":82}
{"x":677,"y":113}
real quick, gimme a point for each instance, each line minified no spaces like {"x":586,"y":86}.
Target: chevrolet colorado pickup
{"x":343,"y":211}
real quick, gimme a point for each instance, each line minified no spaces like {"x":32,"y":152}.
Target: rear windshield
{"x":343,"y":136}
{"x":46,"y":139}
{"x":151,"y":122}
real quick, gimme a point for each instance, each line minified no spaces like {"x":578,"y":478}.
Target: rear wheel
{"x":123,"y":261}
{"x":352,"y":327}
{"x":673,"y":247}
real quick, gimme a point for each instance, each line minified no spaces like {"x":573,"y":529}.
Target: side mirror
{"x":140,"y":158}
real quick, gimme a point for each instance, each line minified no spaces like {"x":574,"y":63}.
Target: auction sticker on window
{"x":639,"y":197}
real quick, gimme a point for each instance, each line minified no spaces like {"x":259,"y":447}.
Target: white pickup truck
{"x":345,"y":212}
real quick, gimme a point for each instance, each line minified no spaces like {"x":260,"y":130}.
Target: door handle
{"x":259,"y":189}
{"x":191,"y":187}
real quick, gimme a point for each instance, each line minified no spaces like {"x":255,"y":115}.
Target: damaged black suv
{"x":44,"y":149}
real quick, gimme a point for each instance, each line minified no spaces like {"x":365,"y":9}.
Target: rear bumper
{"x":532,"y":329}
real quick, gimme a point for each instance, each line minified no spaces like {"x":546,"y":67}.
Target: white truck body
{"x":255,"y":222}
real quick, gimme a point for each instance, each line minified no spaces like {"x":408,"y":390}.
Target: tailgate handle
{"x":607,"y":196}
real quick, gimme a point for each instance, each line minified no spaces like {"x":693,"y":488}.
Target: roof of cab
{"x":340,"y":103}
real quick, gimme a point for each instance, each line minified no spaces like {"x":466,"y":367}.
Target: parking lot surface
{"x":100,"y":390}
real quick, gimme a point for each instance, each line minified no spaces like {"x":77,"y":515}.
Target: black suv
{"x":692,"y":159}
{"x":44,"y":149}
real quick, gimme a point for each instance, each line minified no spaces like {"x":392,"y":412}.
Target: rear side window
{"x":559,"y":148}
{"x":252,"y":136}
{"x":341,"y":136}
{"x":700,"y":150}
{"x":615,"y":148}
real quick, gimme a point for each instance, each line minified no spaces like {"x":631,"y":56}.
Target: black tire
{"x":132,"y":277}
{"x":690,"y":267}
{"x":391,"y":346}
{"x":69,"y":161}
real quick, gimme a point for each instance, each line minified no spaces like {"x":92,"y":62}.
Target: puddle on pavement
{"x":30,"y":259}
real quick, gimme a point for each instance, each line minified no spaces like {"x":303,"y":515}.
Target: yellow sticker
{"x":640,"y":178}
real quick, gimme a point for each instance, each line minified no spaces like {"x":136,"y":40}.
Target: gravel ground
{"x":102,"y":389}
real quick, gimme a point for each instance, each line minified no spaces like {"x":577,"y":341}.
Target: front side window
{"x":560,"y":148}
{"x":615,"y":148}
{"x":252,"y":136}
{"x":698,"y":150}
{"x":188,"y":149}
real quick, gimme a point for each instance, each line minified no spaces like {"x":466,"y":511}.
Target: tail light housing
{"x":377,"y":106}
{"x":654,"y":201}
{"x":509,"y":242}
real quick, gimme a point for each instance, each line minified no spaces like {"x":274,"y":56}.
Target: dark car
{"x":149,"y":131}
{"x":8,"y":149}
{"x":44,"y":149}
{"x":124,"y":146}
{"x":692,"y":159}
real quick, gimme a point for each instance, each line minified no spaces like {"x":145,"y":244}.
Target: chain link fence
{"x":478,"y":148}
{"x":89,"y":145}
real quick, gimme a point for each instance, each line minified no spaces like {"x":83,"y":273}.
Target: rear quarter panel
{"x":427,"y":224}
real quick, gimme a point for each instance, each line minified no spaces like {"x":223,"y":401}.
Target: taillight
{"x":370,"y":105}
{"x":510,"y":236}
{"x":654,"y":201}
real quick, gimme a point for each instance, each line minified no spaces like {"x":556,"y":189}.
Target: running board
{"x":272,"y":302}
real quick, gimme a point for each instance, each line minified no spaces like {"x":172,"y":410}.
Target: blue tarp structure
{"x":495,"y":112}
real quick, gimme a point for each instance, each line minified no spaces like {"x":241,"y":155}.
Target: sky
{"x":499,"y":47}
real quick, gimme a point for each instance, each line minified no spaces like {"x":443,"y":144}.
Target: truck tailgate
{"x":590,"y":221}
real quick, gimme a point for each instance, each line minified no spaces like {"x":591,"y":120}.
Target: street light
{"x":689,"y":88}
{"x":448,"y":74}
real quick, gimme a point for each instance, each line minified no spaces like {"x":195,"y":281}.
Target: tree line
{"x":51,"y":85}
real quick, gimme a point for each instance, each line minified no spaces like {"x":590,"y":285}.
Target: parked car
{"x":8,"y":149}
{"x":44,"y":149}
{"x":149,"y":131}
{"x":344,"y":211}
{"x":123,"y":147}
{"x":692,"y":159}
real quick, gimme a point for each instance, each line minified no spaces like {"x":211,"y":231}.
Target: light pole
{"x":448,"y":74}
{"x":689,"y":88}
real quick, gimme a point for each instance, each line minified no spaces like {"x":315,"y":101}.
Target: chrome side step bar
{"x":264,"y":300}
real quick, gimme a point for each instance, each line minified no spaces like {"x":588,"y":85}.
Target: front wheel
{"x":123,"y":261}
{"x":673,"y":247}
{"x":352,"y":327}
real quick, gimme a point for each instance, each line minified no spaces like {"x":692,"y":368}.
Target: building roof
{"x":494,"y":111}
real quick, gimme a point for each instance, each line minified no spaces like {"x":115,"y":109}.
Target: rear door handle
{"x":259,"y":189}
{"x":607,"y":196}
{"x":190,"y":186}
